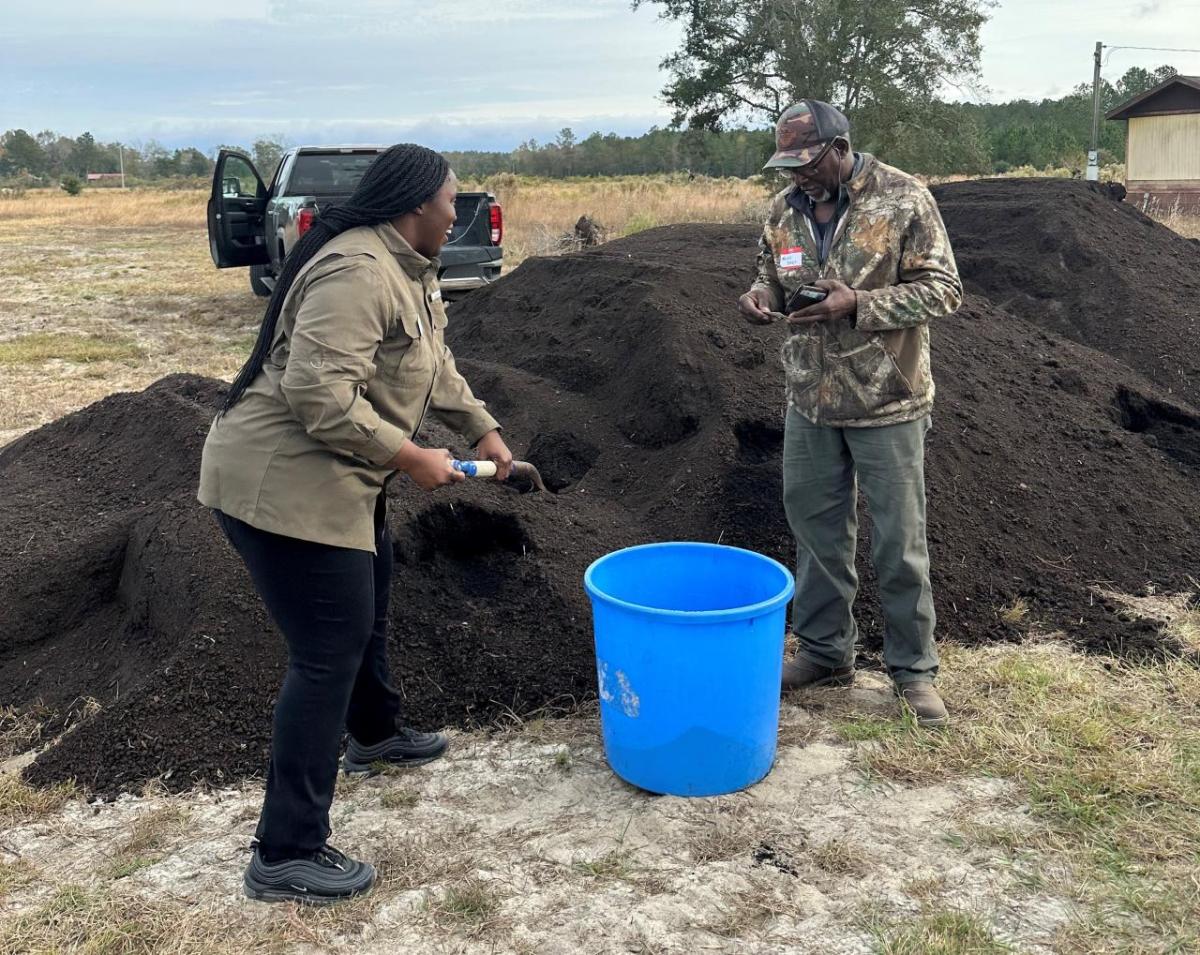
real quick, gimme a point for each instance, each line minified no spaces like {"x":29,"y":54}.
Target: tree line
{"x":51,"y":157}
{"x":948,"y":138}
{"x":936,"y":138}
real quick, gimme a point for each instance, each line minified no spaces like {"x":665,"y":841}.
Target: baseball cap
{"x":803,"y":130}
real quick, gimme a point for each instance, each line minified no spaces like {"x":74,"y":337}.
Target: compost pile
{"x":1063,"y":462}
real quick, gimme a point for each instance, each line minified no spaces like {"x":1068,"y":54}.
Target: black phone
{"x":803,"y":297}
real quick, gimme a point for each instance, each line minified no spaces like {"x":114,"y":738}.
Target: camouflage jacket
{"x":891,"y":247}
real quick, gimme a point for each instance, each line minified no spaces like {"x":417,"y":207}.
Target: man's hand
{"x":841,"y":302}
{"x":491,"y":447}
{"x":755,"y":305}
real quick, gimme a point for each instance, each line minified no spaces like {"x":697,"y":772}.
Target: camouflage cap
{"x":803,"y":130}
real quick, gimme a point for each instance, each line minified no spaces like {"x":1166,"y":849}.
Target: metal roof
{"x":1124,"y":109}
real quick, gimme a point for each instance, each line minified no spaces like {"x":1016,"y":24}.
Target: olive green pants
{"x":822,"y":467}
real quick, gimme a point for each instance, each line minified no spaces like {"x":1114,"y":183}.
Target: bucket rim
{"x":692,"y":616}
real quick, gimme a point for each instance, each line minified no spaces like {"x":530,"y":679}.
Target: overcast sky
{"x":450,"y":73}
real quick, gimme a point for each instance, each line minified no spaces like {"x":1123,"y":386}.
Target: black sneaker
{"x":406,"y":748}
{"x":321,"y":878}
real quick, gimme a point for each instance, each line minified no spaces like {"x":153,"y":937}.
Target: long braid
{"x":400,"y":179}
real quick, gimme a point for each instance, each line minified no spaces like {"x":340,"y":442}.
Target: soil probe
{"x":521,"y":471}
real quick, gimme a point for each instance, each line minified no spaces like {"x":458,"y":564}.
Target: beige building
{"x":1162,"y":144}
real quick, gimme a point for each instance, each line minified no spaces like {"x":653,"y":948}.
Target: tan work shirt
{"x":359,"y":357}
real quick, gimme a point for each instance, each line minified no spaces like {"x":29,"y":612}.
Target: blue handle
{"x":469,"y":468}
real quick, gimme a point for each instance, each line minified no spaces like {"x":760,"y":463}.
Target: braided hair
{"x":400,"y":179}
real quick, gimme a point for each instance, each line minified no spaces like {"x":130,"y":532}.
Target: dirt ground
{"x":525,"y":841}
{"x":1059,"y":815}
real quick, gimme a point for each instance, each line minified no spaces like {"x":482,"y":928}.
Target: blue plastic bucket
{"x":689,"y":653}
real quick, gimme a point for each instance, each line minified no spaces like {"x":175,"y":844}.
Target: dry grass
{"x":87,"y":312}
{"x":147,"y":840}
{"x":564,"y":723}
{"x":617,"y":864}
{"x":416,"y":861}
{"x":538,"y":213}
{"x":1187,"y":224}
{"x":938,"y":932}
{"x":14,"y":874}
{"x":750,"y":910}
{"x":39,"y":347}
{"x":1108,"y":755}
{"x":725,"y":832}
{"x":1186,"y":628}
{"x":925,"y":888}
{"x":1015,"y":613}
{"x":102,"y":921}
{"x":21,"y":803}
{"x":470,"y":907}
{"x":1177,"y":613}
{"x":19,"y":731}
{"x":839,"y":857}
{"x":399,"y":797}
{"x":112,"y":917}
{"x":105,"y":208}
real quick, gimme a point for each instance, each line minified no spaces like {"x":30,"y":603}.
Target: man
{"x":859,"y":392}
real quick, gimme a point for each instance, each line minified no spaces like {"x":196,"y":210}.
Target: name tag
{"x":792,"y":258}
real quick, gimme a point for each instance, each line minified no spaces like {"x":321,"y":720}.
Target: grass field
{"x":111,"y":290}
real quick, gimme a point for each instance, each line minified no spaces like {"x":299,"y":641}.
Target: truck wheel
{"x":260,"y":288}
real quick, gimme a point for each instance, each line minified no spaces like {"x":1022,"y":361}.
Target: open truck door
{"x":235,"y":212}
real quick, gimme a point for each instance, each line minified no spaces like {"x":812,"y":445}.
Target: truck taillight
{"x":497,"y":219}
{"x":304,"y":221}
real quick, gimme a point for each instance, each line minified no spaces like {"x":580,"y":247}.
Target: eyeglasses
{"x":810,"y":166}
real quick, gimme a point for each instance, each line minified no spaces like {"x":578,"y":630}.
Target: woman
{"x":349,"y":358}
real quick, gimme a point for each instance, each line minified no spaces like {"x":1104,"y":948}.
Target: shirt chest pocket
{"x":406,"y":355}
{"x":795,"y":266}
{"x":437,"y":310}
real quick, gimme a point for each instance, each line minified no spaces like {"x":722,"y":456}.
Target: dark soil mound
{"x":656,"y":413}
{"x":117,"y":587}
{"x":1067,"y":257}
{"x":1053,"y":469}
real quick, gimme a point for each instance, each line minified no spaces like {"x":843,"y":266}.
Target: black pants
{"x":331,"y":604}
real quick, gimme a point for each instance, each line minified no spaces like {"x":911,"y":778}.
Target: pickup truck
{"x":255,"y":225}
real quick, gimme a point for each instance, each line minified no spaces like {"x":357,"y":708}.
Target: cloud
{"x":509,"y":68}
{"x":406,"y":15}
{"x":131,"y":14}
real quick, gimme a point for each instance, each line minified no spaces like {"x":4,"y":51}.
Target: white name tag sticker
{"x":435,"y":295}
{"x":792,"y":258}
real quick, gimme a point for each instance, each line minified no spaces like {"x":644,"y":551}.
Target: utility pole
{"x":121,"y":154}
{"x":1093,"y":164}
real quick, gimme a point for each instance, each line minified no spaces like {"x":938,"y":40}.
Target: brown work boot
{"x":925,"y":702}
{"x":799,"y":672}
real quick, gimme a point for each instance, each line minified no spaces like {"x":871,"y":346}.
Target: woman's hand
{"x":491,"y":447}
{"x":430,"y":468}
